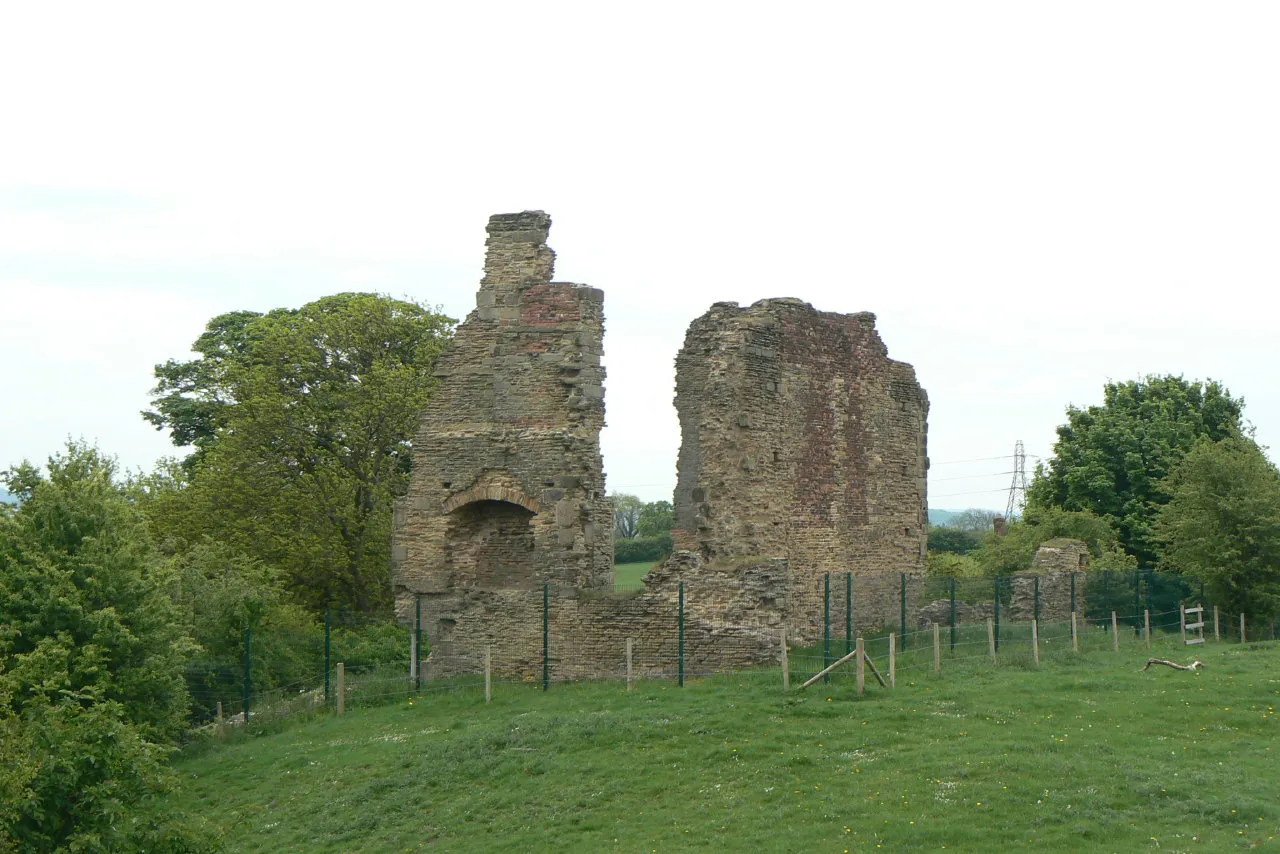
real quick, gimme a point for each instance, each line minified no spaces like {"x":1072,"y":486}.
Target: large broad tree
{"x":1222,"y":525}
{"x":303,"y":420}
{"x":626,"y":515}
{"x":1111,"y":460}
{"x":91,"y":657}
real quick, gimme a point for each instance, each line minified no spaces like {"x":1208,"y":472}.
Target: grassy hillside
{"x":1086,"y":753}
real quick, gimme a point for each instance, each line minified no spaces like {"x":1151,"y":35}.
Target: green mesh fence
{"x":910,"y":625}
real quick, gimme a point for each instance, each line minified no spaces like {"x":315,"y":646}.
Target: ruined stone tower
{"x":507,"y":488}
{"x":801,"y":439}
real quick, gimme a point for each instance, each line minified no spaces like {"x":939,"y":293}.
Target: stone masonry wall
{"x":507,"y":490}
{"x":731,"y":620}
{"x":801,"y":439}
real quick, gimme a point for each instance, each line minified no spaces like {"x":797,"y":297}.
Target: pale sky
{"x":1033,"y":198}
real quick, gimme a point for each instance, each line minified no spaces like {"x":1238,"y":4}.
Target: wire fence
{"x":534,"y":638}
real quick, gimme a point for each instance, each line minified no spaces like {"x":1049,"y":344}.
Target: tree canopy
{"x":303,"y":421}
{"x":1111,"y":460}
{"x":1222,"y":525}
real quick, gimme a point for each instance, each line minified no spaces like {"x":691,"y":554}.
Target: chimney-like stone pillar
{"x":516,"y":251}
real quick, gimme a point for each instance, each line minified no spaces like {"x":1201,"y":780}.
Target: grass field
{"x":627,"y":575}
{"x":1086,"y":753}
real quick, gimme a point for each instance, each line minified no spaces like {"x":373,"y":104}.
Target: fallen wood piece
{"x":874,"y":672}
{"x":829,"y":668}
{"x":1192,"y":666}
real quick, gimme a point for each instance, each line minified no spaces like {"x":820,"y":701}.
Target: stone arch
{"x":489,"y":492}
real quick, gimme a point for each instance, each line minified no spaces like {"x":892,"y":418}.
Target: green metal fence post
{"x":328,"y":658}
{"x":248,"y":683}
{"x":903,"y":598}
{"x":417,"y":642}
{"x":848,"y":613}
{"x":546,"y":636}
{"x":1036,"y":610}
{"x":826,"y":624}
{"x":682,"y":634}
{"x":953,"y":613}
{"x":997,"y":620}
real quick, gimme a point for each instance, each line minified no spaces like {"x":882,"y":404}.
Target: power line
{"x":933,"y":463}
{"x":970,"y":492}
{"x":969,"y":476}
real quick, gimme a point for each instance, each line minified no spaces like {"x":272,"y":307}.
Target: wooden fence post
{"x":342,"y":688}
{"x":860,"y":666}
{"x":1115,"y":633}
{"x":991,"y":638}
{"x":1146,"y":626}
{"x":413,"y":655}
{"x":893,"y":667}
{"x":786,"y":663}
{"x":1243,"y":636}
{"x":937,"y":650}
{"x":1182,"y":623}
{"x":630,"y":649}
{"x":1216,"y":635}
{"x":220,"y":725}
{"x":1035,"y":641}
{"x":1075,"y":638}
{"x":488,"y":673}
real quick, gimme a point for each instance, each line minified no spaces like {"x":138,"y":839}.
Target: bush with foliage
{"x":1015,"y":551}
{"x":1221,"y":525}
{"x":91,"y":655}
{"x":639,"y":549}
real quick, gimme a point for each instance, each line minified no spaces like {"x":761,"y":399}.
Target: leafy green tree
{"x":1111,"y":460}
{"x":626,"y":515}
{"x":1221,"y":525}
{"x":656,"y":518}
{"x":304,"y":420}
{"x":91,"y":655}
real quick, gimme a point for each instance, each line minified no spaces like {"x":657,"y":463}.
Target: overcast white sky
{"x":1033,"y":198}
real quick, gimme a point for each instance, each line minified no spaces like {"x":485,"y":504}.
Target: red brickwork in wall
{"x":801,"y":439}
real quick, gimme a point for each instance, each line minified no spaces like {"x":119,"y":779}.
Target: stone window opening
{"x":491,"y":545}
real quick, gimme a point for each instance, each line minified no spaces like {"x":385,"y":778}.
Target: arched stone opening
{"x":491,"y":545}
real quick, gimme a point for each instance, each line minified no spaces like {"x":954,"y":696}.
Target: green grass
{"x":1086,"y":753}
{"x":627,"y":575}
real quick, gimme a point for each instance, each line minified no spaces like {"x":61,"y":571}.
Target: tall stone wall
{"x":802,"y":439}
{"x":507,"y":490}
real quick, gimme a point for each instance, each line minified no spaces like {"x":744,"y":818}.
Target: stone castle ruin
{"x":803,"y":452}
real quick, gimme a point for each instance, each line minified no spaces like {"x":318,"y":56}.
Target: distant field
{"x":1086,"y":753}
{"x":627,"y":575}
